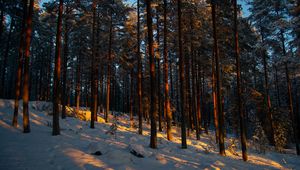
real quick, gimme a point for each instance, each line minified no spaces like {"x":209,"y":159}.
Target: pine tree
{"x":153,"y":99}
{"x":57,"y":73}
{"x":238,"y":79}
{"x":218,"y":84}
{"x":182,"y":79}
{"x":20,"y":65}
{"x":26,"y":125}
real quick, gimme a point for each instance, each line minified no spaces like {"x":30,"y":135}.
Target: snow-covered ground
{"x":75,"y":148}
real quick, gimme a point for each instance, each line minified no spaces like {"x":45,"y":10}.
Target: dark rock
{"x":97,"y":153}
{"x":133,"y":152}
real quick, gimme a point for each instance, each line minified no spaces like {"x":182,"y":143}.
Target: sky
{"x":242,"y":2}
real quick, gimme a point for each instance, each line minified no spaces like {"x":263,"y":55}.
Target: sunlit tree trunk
{"x":20,"y":65}
{"x":218,"y":88}
{"x":239,"y":89}
{"x":26,"y":125}
{"x":291,"y":109}
{"x":166,"y":77}
{"x":57,"y":73}
{"x":153,"y":100}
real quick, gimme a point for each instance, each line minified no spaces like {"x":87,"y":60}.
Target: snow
{"x":74,"y":148}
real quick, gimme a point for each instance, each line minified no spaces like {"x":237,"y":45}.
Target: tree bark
{"x":65,"y":71}
{"x":218,"y":88}
{"x":153,"y":100}
{"x":94,"y":73}
{"x":139,"y":86}
{"x":57,"y":73}
{"x":26,"y":123}
{"x":20,"y":65}
{"x":291,"y":109}
{"x":166,"y":78}
{"x":109,"y":69}
{"x":267,"y":96}
{"x":182,"y":81}
{"x":131,"y":99}
{"x":158,"y":74}
{"x":239,"y":89}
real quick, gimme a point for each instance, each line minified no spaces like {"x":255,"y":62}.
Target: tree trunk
{"x":153,"y":100}
{"x":291,"y":108}
{"x":131,"y":99}
{"x":20,"y":65}
{"x":94,"y":73}
{"x":158,"y":74}
{"x":65,"y":69}
{"x":218,"y":88}
{"x":214,"y":95}
{"x":267,"y":99}
{"x":139,"y":86}
{"x":26,"y":125}
{"x":182,"y":81}
{"x":57,"y":73}
{"x":239,"y":89}
{"x":277,"y":88}
{"x":78,"y":86}
{"x":166,"y":72}
{"x":109,"y":70}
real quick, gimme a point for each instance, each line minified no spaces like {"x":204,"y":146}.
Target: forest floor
{"x":75,"y":147}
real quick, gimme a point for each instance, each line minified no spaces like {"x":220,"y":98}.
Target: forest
{"x":198,"y":77}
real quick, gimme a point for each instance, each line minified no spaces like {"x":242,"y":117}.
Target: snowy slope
{"x":74,"y":147}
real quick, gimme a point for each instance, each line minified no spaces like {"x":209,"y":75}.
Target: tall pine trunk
{"x":57,"y":73}
{"x":239,"y":89}
{"x":78,"y":86}
{"x":109,"y":69}
{"x":94,"y":73}
{"x":166,"y":77}
{"x":182,"y":82}
{"x":26,"y":125}
{"x":20,"y":65}
{"x":139,"y":86}
{"x":65,"y":72}
{"x":153,"y":99}
{"x":291,"y":109}
{"x":267,"y":99}
{"x":158,"y":74}
{"x":218,"y":88}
